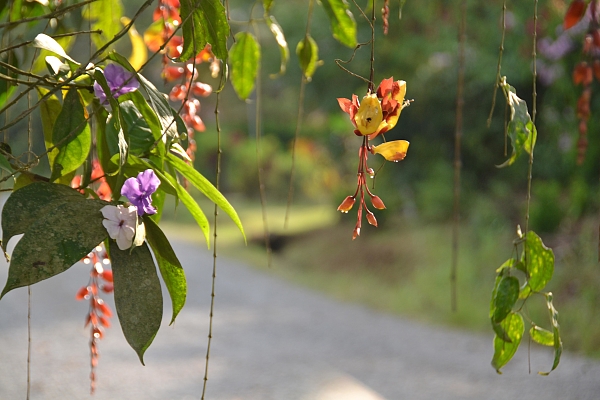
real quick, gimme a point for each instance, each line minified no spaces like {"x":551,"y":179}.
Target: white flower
{"x":121,"y":224}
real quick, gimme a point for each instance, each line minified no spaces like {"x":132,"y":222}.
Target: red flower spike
{"x":574,"y":13}
{"x":347,"y":204}
{"x":377,"y":202}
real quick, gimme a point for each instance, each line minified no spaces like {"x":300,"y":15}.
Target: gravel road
{"x":272,"y":340}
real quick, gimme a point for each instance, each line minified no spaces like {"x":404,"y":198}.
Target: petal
{"x":111,"y":213}
{"x":112,"y":228}
{"x":369,"y":115}
{"x":140,"y":235}
{"x":384,"y":87}
{"x":125,"y":237}
{"x":392,"y":151}
{"x":345,"y":104}
{"x":131,"y":189}
{"x":149,"y":182}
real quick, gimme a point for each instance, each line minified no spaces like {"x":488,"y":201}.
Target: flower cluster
{"x":122,"y":222}
{"x":376,"y":114}
{"x":161,"y":35}
{"x":101,"y":279}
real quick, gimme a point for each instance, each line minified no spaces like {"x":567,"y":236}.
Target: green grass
{"x":403,"y":267}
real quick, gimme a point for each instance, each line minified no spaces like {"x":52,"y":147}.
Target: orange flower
{"x":392,"y":151}
{"x":392,"y":102}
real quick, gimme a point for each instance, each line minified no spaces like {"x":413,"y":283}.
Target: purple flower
{"x":139,"y":191}
{"x":119,"y":82}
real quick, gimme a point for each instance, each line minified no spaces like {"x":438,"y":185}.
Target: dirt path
{"x":272,"y":340}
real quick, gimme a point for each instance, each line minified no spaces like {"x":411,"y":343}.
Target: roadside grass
{"x":403,"y":267}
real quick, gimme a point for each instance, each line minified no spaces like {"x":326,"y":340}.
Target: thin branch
{"x":498,"y":74}
{"x":49,"y":16}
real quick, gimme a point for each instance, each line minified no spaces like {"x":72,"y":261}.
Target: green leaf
{"x":149,"y":116}
{"x":188,"y":201}
{"x":4,"y":164}
{"x":141,"y":137}
{"x":55,"y":241}
{"x":343,"y":25}
{"x":169,"y":265}
{"x":401,"y":7}
{"x":207,"y":24}
{"x":281,"y":42}
{"x":539,"y":260}
{"x":7,"y":88}
{"x":28,"y":204}
{"x":105,"y":16}
{"x":49,"y":110}
{"x":72,"y":136}
{"x":503,"y":350}
{"x":505,"y":298}
{"x":521,"y":130}
{"x":541,"y":336}
{"x":558,"y":347}
{"x":207,"y":188}
{"x":138,"y":296}
{"x":308,"y":55}
{"x":245,"y":59}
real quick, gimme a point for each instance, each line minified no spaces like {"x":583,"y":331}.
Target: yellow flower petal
{"x":369,"y":115}
{"x":392,"y":151}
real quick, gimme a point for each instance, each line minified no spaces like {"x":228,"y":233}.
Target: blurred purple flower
{"x":119,"y":82}
{"x":139,"y":191}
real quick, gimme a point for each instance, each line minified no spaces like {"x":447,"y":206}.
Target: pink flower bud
{"x":347,"y":204}
{"x":377,"y":202}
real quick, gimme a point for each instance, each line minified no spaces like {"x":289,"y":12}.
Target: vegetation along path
{"x":272,"y":340}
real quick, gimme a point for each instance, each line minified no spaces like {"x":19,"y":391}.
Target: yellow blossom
{"x":369,"y":115}
{"x":392,"y":151}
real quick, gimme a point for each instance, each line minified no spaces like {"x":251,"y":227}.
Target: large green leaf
{"x":557,"y":342}
{"x":188,"y":201}
{"x":308,"y":55}
{"x":521,"y":130}
{"x":55,"y":241}
{"x":105,"y":16}
{"x":539,"y":260}
{"x":137,"y":130}
{"x":138,"y":296}
{"x":503,"y":350}
{"x":343,"y":25}
{"x":72,"y":136}
{"x":168,"y":263}
{"x":49,"y":110}
{"x":149,"y":116}
{"x":505,"y":298}
{"x":207,"y":188}
{"x":245,"y":60}
{"x":207,"y":24}
{"x":28,"y":204}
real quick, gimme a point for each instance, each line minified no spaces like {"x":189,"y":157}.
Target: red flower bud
{"x":371,"y":218}
{"x":346,"y":204}
{"x":201,"y":89}
{"x":377,"y":202}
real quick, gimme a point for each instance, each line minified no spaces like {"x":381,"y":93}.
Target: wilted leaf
{"x":558,"y":346}
{"x":207,"y":24}
{"x":168,"y":263}
{"x":139,"y":51}
{"x":521,"y":130}
{"x":245,"y":59}
{"x":503,"y":350}
{"x":343,"y":25}
{"x":55,"y":241}
{"x":541,"y":336}
{"x":138,"y":296}
{"x":281,"y":42}
{"x":45,"y":42}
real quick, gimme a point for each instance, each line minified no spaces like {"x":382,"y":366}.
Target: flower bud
{"x":371,"y":218}
{"x":356,"y":233}
{"x":377,"y":202}
{"x":347,"y":204}
{"x":369,"y":115}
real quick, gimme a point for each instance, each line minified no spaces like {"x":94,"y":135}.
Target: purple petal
{"x":99,"y":92}
{"x":131,"y":189}
{"x":149,"y":182}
